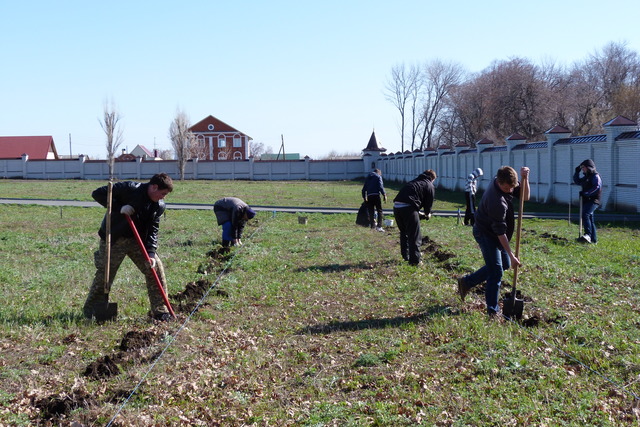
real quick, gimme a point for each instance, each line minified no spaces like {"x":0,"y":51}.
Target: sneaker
{"x":585,"y":238}
{"x":463,"y":289}
{"x":380,"y":229}
{"x":163,"y":317}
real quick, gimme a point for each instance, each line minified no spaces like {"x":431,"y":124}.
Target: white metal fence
{"x":552,"y":162}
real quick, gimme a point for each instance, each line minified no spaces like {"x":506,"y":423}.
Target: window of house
{"x":210,"y":127}
{"x":222,"y":141}
{"x":222,"y":155}
{"x":237,"y":141}
{"x":237,"y":155}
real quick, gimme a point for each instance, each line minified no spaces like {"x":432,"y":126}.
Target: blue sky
{"x":311,"y":71}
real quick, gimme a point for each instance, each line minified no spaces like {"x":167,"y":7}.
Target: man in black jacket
{"x":144,"y":204}
{"x":415,"y":195}
{"x":373,"y":193}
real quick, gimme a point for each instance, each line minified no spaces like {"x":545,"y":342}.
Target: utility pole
{"x":281,"y":149}
{"x":70,"y":153}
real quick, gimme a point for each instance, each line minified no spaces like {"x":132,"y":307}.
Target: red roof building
{"x":36,"y":147}
{"x":219,"y":141}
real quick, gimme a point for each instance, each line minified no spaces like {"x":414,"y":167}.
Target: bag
{"x":363,"y":217}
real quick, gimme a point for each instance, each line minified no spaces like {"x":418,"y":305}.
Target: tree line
{"x":440,"y":103}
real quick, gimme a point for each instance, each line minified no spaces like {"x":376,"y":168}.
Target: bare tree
{"x":181,"y":139}
{"x":256,"y":149}
{"x":438,"y":79}
{"x":165,"y":154}
{"x":401,"y":89}
{"x":109,"y":123}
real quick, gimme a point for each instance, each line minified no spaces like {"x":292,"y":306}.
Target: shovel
{"x":106,"y":310}
{"x":580,"y":221}
{"x":146,"y":255}
{"x":513,"y":306}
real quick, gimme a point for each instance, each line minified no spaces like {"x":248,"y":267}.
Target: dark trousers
{"x":470,"y":213}
{"x":408,"y":222}
{"x":374,"y":204}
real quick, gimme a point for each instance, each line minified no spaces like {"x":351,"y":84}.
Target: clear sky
{"x":311,"y":71}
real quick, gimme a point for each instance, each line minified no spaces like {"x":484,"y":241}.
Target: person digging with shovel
{"x":590,"y":196}
{"x":493,"y":228}
{"x":144,"y":205}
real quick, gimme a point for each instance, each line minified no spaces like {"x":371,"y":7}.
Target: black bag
{"x":363,"y":217}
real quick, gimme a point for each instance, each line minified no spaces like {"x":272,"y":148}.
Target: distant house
{"x":144,"y":152}
{"x":36,"y":147}
{"x":219,"y":141}
{"x":138,"y":151}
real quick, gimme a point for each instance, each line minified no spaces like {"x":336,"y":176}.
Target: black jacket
{"x":146,"y":217}
{"x":495,"y":213}
{"x":591,"y":183}
{"x":373,"y":185}
{"x":418,"y":193}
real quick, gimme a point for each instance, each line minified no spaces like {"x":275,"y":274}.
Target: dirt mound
{"x":436,"y":252}
{"x":134,"y":340}
{"x":103,"y":367}
{"x":53,"y":408}
{"x":220,"y":253}
{"x":552,"y":236}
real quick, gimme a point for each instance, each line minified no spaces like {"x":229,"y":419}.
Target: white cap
{"x":478,"y":172}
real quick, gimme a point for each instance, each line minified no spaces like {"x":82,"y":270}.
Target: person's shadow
{"x":380,"y":323}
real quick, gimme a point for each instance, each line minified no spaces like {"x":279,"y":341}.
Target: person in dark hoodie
{"x":145,"y":205}
{"x":492,"y":230}
{"x":232,"y":214}
{"x":590,"y":195}
{"x":373,"y":193}
{"x":470,"y":189}
{"x":413,"y":196}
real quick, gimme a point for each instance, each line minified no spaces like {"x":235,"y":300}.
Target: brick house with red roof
{"x":219,"y":141}
{"x":36,"y":147}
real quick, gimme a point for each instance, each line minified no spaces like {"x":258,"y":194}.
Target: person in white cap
{"x":470,"y":189}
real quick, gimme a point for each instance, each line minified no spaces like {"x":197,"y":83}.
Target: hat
{"x":589,"y":164}
{"x":478,"y":172}
{"x":250,"y":213}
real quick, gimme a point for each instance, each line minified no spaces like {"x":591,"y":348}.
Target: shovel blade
{"x":513,"y":308}
{"x":106,"y":312}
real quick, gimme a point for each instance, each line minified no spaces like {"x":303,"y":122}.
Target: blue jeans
{"x":496,"y":260}
{"x":226,"y":234}
{"x":587,"y":220}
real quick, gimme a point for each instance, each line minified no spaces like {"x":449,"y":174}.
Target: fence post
{"x":25,"y":160}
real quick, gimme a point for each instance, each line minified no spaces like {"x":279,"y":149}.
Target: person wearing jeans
{"x":493,"y":228}
{"x":590,"y":196}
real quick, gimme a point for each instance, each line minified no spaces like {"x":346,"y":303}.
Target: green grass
{"x":320,"y":324}
{"x":343,"y":194}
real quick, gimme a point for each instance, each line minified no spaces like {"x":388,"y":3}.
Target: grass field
{"x":312,"y":325}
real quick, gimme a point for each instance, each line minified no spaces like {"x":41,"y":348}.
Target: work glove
{"x":152,"y":262}
{"x":384,"y":197}
{"x":127,"y":210}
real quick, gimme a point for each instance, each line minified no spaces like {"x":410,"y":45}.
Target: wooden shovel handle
{"x":107,"y":272}
{"x":518,"y":232}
